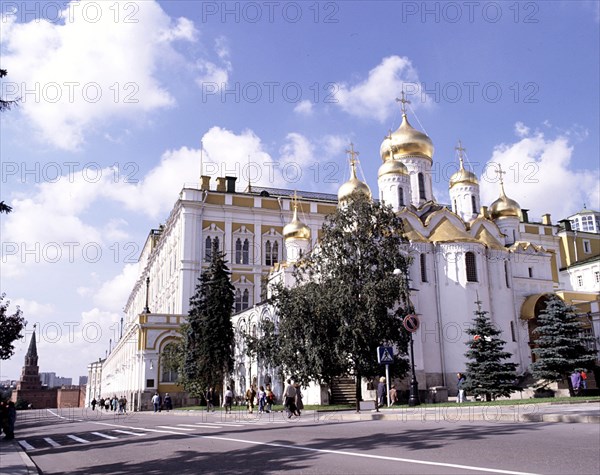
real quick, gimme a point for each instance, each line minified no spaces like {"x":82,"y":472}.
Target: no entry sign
{"x":411,"y":323}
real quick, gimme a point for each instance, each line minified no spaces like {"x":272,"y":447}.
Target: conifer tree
{"x":208,"y":338}
{"x":488,"y":372}
{"x":560,"y":346}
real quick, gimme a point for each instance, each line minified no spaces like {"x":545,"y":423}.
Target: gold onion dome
{"x":296,"y":229}
{"x":392,"y":167}
{"x":504,"y":206}
{"x":353,"y":185}
{"x":406,"y":141}
{"x":463,"y":176}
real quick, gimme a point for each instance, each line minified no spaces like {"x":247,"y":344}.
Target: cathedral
{"x":461,"y":253}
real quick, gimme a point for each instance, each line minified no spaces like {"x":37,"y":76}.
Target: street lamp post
{"x":146,"y":309}
{"x":413,"y":398}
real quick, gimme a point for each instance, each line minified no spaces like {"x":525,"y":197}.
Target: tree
{"x":11,"y":327}
{"x":488,"y":374}
{"x":560,"y":346}
{"x":208,"y":338}
{"x":347,"y":301}
{"x":6,"y":104}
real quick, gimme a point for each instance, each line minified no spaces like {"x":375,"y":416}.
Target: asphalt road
{"x":86,"y":442}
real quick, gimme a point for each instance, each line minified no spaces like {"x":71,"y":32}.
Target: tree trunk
{"x":358,"y":392}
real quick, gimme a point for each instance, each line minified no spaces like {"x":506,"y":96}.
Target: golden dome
{"x":353,"y":185}
{"x":462,"y":175}
{"x":406,"y":141}
{"x":392,"y":167}
{"x":504,"y":207}
{"x":296,"y":229}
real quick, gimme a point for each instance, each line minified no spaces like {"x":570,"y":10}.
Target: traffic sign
{"x":411,"y":323}
{"x":385,"y":354}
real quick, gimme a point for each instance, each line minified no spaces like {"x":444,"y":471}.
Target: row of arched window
{"x":242,"y":250}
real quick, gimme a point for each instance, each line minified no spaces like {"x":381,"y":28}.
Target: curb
{"x":15,"y":460}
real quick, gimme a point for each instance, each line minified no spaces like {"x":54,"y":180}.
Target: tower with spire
{"x":506,"y":212}
{"x":296,"y":235}
{"x":353,"y":185}
{"x":464,"y":190}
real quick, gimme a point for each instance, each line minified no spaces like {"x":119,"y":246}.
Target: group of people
{"x":8,"y":416}
{"x":264,"y":398}
{"x":158,"y":402}
{"x":381,"y":394}
{"x":110,"y":404}
{"x":579,"y":381}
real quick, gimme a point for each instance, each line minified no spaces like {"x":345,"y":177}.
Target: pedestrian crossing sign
{"x":385,"y":354}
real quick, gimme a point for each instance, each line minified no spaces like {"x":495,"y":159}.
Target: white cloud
{"x":112,"y":295}
{"x":521,"y":129}
{"x":375,"y":96}
{"x":85,"y":73}
{"x":213,"y":77}
{"x":540,"y":176}
{"x":304,"y":107}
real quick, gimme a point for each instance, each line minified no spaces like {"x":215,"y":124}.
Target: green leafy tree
{"x":560,"y":346}
{"x":6,"y":104}
{"x":208,"y":338}
{"x":11,"y":327}
{"x":488,"y":373}
{"x":349,"y":299}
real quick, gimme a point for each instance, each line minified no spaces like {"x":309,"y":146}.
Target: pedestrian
{"x":168,"y":402}
{"x":261,"y":398}
{"x":381,"y":390}
{"x":3,"y":416}
{"x":210,"y":398}
{"x":156,"y":402}
{"x":10,"y":418}
{"x":94,"y":402}
{"x":101,"y":404}
{"x":122,"y":403}
{"x":576,"y":382}
{"x":250,"y":395}
{"x":270,"y":398}
{"x":290,"y":399}
{"x":460,"y":384}
{"x":583,"y":375}
{"x":393,"y":395}
{"x":228,"y":400}
{"x":114,"y":403}
{"x":298,"y":399}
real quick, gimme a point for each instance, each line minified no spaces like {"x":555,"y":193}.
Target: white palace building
{"x":462,"y":253}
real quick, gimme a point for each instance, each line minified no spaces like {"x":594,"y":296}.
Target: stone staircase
{"x":343,"y":390}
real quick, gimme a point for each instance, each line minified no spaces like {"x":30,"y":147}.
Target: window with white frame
{"x":471,"y":266}
{"x":587,"y":223}
{"x":243,"y":294}
{"x":587,"y":247}
{"x":242,"y":242}
{"x":167,"y":374}
{"x":213,"y":240}
{"x":271,"y":247}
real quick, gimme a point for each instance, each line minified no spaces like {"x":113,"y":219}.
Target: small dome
{"x":463,"y":176}
{"x":296,"y":229}
{"x":392,"y":167}
{"x":504,"y":207}
{"x":353,"y":185}
{"x":406,"y":141}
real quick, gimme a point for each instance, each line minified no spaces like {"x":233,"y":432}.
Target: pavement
{"x":15,"y":461}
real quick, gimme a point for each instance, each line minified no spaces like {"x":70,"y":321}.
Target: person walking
{"x":583,"y":375}
{"x":228,"y":400}
{"x":298,"y":399}
{"x":381,"y":390}
{"x":156,"y":402}
{"x":290,"y":399}
{"x":460,"y":384}
{"x":168,"y":402}
{"x":94,"y":402}
{"x":261,"y":397}
{"x":250,"y":395}
{"x":101,"y":404}
{"x":393,"y":395}
{"x":270,"y":399}
{"x":210,"y":397}
{"x":576,"y":382}
{"x":10,"y":418}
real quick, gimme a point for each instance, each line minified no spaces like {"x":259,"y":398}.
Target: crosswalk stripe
{"x":128,"y":432}
{"x":100,"y":434}
{"x":173,"y":428}
{"x":78,"y":439}
{"x":53,"y":443}
{"x":220,"y":424}
{"x":25,"y":445}
{"x":207,"y":427}
{"x":189,"y":425}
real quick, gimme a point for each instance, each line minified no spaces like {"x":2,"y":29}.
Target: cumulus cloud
{"x":112,"y":295}
{"x":212,"y":76}
{"x":540,"y":175}
{"x":76,"y":74}
{"x":374,"y":97}
{"x":304,"y":107}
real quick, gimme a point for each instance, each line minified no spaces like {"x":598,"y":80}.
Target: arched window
{"x":268,"y":259}
{"x":208,"y":248}
{"x":400,"y":196}
{"x":473,"y":204}
{"x":216,"y":243}
{"x":245,"y":252}
{"x":506,"y":276}
{"x":423,"y":259}
{"x":471,"y":265}
{"x":245,"y":298}
{"x":275,"y":253}
{"x":421,"y":179}
{"x":167,"y":374}
{"x":238,"y":300}
{"x":238,"y":251}
{"x":455,"y":209}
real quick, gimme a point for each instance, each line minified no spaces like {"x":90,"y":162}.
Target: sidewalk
{"x":14,"y":461}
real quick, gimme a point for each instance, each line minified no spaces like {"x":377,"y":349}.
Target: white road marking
{"x":128,"y":432}
{"x":53,"y":443}
{"x":220,"y":424}
{"x":25,"y":445}
{"x":200,"y":426}
{"x":78,"y":439}
{"x":106,"y":436}
{"x":173,"y":428}
{"x":193,"y":425}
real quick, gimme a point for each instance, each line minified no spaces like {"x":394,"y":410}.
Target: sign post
{"x":411,"y":324}
{"x":385,"y":355}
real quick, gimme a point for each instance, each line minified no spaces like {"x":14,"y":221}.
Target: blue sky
{"x":118,"y":96}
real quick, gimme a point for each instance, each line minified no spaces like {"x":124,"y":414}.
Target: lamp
{"x":413,"y":398}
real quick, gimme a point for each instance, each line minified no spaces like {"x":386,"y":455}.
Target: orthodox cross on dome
{"x":499,"y":172}
{"x":404,"y":101}
{"x":295,"y":200}
{"x":460,"y":149}
{"x":353,"y":154}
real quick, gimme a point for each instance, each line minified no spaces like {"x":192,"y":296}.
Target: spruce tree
{"x":487,"y":371}
{"x":208,"y":342}
{"x":560,"y":346}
